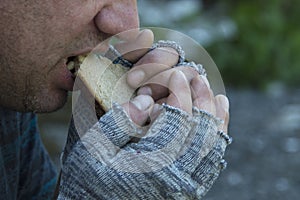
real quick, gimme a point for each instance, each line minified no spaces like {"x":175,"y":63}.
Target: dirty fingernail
{"x":135,"y":78}
{"x":142,"y":102}
{"x":141,"y":33}
{"x":223,"y":101}
{"x":145,"y":91}
{"x":177,"y":76}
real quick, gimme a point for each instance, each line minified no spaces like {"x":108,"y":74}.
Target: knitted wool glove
{"x":177,"y":157}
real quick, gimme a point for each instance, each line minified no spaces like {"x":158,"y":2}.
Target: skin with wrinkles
{"x":38,"y":36}
{"x":36,"y":39}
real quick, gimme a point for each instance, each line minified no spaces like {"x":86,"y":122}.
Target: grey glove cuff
{"x":210,"y":165}
{"x":118,"y":127}
{"x":115,"y":125}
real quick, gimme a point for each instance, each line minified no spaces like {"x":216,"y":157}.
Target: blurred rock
{"x":291,"y":145}
{"x":264,"y":159}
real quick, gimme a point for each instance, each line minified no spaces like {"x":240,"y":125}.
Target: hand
{"x":180,"y":156}
{"x":135,"y":48}
{"x":146,"y":65}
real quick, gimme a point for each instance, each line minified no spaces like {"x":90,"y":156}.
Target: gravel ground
{"x":264,"y":159}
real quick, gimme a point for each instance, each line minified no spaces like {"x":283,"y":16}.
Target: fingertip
{"x":145,"y":90}
{"x":180,"y":92}
{"x":223,"y":101}
{"x":178,"y":81}
{"x":195,"y":82}
{"x":176,"y":77}
{"x":204,"y":78}
{"x":139,"y":109}
{"x":199,"y":89}
{"x":222,"y":106}
{"x":142,"y":102}
{"x":135,"y":44}
{"x":146,"y":33}
{"x":135,"y":78}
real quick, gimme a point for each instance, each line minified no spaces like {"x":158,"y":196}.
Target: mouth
{"x":73,"y":63}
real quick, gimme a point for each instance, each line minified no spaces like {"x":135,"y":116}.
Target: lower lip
{"x":65,"y":79}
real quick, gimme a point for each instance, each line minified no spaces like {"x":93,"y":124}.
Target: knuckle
{"x":161,"y":55}
{"x":152,"y":57}
{"x":168,"y":50}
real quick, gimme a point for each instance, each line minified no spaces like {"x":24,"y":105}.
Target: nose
{"x":117,"y":16}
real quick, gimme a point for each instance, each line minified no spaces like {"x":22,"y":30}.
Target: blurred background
{"x":255,"y":45}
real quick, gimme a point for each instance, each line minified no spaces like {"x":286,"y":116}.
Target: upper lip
{"x":81,"y":52}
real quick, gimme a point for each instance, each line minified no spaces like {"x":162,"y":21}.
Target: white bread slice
{"x":105,"y":80}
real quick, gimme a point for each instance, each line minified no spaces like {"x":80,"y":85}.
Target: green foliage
{"x":266,"y":47}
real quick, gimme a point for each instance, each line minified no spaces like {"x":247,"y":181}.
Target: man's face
{"x":37,"y":37}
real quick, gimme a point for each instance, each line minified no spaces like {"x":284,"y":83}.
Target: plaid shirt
{"x":26,"y":171}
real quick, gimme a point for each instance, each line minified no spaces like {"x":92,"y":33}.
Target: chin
{"x":47,"y":103}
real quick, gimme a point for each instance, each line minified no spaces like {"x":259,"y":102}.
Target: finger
{"x":171,"y":127}
{"x":222,"y":111}
{"x":180,"y":93}
{"x":134,"y":48}
{"x":155,"y":112}
{"x":162,"y":55}
{"x":139,"y":109}
{"x":157,"y":86}
{"x":202,"y":95}
{"x":156,"y":91}
{"x":152,"y":63}
{"x":138,"y":75}
{"x":199,"y":88}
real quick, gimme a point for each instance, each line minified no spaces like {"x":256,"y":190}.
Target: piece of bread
{"x":105,"y":80}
